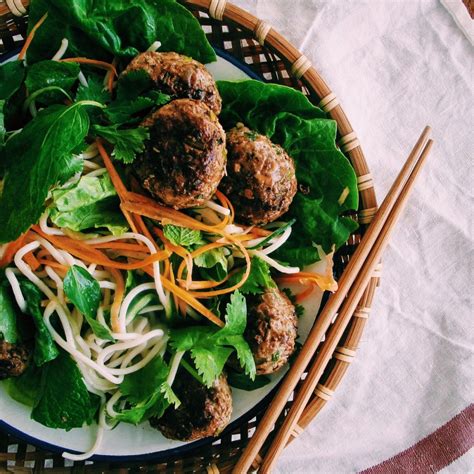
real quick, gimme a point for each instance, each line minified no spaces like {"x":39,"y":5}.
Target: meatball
{"x":14,"y":359}
{"x":271,"y":330}
{"x":260,"y":181}
{"x":184,"y":158}
{"x":203,"y":411}
{"x":179,"y":76}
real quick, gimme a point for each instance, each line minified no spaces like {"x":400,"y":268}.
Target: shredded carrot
{"x":324,"y":281}
{"x":119,"y":246}
{"x":92,"y":62}
{"x":175,"y":298}
{"x":32,"y":261}
{"x":53,"y":264}
{"x":118,"y":297}
{"x":30,"y":37}
{"x":90,"y":254}
{"x":11,"y":249}
{"x":114,"y":176}
{"x":227,"y":204}
{"x":305,"y":293}
{"x":110,"y":76}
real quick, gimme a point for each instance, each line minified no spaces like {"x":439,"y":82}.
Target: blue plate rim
{"x":157,"y":455}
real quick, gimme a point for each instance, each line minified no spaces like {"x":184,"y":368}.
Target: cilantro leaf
{"x":84,"y":292}
{"x":94,"y":91}
{"x":210,"y":348}
{"x":127,"y":142}
{"x":258,"y":280}
{"x":63,"y":400}
{"x":183,"y":236}
{"x":146,"y":392}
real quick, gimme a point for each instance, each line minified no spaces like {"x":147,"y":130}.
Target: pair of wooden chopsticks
{"x":352,"y":284}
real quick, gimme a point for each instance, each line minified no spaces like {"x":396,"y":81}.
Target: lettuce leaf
{"x":90,"y":203}
{"x":324,"y":174}
{"x":104,"y":28}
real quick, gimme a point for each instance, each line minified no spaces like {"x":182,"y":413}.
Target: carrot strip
{"x":30,"y":37}
{"x":118,"y":297}
{"x":325,"y":282}
{"x":90,"y":254}
{"x":12,"y":249}
{"x":175,"y":298}
{"x":110,"y":78}
{"x":305,"y":293}
{"x":226,"y":203}
{"x":32,"y":261}
{"x":119,"y":246}
{"x":53,"y":264}
{"x":92,"y":62}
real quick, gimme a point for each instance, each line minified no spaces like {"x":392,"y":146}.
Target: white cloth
{"x":397,"y":66}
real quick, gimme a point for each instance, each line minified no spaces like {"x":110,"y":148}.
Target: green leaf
{"x":214,"y":259}
{"x":2,"y":122}
{"x":38,"y":158}
{"x":51,"y":73}
{"x":324,"y":174}
{"x":183,"y":236}
{"x":146,"y":392}
{"x":25,"y":388}
{"x":258,"y":280}
{"x":64,"y":401}
{"x":90,"y":203}
{"x":169,"y":395}
{"x":83,"y":291}
{"x":127,"y":142}
{"x":244,"y":382}
{"x":8,"y":316}
{"x":94,"y":91}
{"x":105,"y":28}
{"x":12,"y":74}
{"x":210,"y":348}
{"x":45,"y":348}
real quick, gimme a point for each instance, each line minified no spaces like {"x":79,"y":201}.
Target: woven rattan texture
{"x":233,"y":35}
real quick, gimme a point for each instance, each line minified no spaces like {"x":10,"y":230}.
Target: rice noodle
{"x":273,"y":263}
{"x":62,"y":49}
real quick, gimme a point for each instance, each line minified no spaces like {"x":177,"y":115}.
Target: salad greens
{"x":258,"y":280}
{"x":324,"y":174}
{"x":104,"y":28}
{"x":84,"y":292}
{"x":183,"y":236}
{"x":8,"y":317}
{"x":210,"y":348}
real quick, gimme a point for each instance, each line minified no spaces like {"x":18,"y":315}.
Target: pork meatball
{"x":185,"y":157}
{"x":14,"y":359}
{"x":260,"y":181}
{"x":179,"y":76}
{"x":271,"y":330}
{"x":203,"y":411}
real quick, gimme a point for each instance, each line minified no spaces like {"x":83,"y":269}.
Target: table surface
{"x":397,"y":66}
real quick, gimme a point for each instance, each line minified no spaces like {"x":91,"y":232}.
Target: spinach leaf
{"x":244,"y":382}
{"x":64,"y":401}
{"x":8,"y":327}
{"x":39,"y":157}
{"x":104,"y":28}
{"x":210,"y":348}
{"x":258,"y":280}
{"x":84,"y":292}
{"x":25,"y":388}
{"x":127,"y":142}
{"x":51,"y":73}
{"x":45,"y":348}
{"x":90,"y":203}
{"x":183,"y":236}
{"x":324,"y":174}
{"x":147,"y":393}
{"x":95,"y":90}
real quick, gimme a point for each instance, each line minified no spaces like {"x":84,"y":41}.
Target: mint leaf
{"x":84,"y":292}
{"x":183,"y":236}
{"x":45,"y":348}
{"x":64,"y":401}
{"x":38,"y":158}
{"x":214,"y":259}
{"x":127,"y":142}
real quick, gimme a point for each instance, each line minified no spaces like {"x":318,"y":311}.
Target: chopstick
{"x":372,"y":245}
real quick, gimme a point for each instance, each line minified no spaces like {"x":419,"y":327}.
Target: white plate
{"x":127,"y":442}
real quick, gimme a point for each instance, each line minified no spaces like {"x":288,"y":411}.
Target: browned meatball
{"x":271,"y":330}
{"x":203,"y":411}
{"x":14,"y":359}
{"x":260,"y":181}
{"x":179,"y":76}
{"x":184,"y":159}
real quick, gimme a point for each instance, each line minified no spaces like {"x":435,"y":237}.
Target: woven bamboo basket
{"x":256,"y":44}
